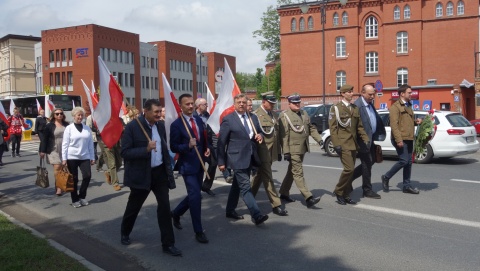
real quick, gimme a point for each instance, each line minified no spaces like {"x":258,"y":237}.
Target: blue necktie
{"x":245,"y":124}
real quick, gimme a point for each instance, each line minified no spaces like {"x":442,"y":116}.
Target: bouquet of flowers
{"x":425,"y":132}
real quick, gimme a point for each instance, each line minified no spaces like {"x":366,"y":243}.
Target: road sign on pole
{"x":378,"y":86}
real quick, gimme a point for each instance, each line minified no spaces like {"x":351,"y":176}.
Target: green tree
{"x":258,"y":77}
{"x":272,"y":82}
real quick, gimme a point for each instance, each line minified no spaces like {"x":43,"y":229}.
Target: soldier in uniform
{"x":345,"y":124}
{"x":268,"y":150}
{"x":295,"y":128}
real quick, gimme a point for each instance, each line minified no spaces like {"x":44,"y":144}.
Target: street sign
{"x":378,"y":86}
{"x":379,"y":94}
{"x":383,"y":106}
{"x":219,"y":76}
{"x":456,"y":98}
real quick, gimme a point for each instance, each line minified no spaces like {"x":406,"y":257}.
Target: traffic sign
{"x":219,"y":76}
{"x":383,"y":106}
{"x":378,"y":86}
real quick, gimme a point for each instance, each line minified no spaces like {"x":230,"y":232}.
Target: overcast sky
{"x":223,"y":26}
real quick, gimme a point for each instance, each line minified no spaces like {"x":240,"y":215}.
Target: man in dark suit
{"x":40,"y":124}
{"x":189,"y":164}
{"x":147,"y":167}
{"x":373,"y":126}
{"x":237,"y":150}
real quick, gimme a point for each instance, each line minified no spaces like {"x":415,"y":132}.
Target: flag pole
{"x":253,"y":126}
{"x":196,"y":149}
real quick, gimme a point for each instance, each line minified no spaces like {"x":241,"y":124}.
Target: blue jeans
{"x":241,"y":184}
{"x":405,"y":162}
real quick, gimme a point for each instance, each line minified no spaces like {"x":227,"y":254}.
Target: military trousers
{"x":295,"y":173}
{"x":344,"y":185}
{"x":114,"y":161}
{"x":264,"y":175}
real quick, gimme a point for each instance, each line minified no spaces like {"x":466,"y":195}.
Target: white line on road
{"x":464,"y":181}
{"x":338,"y":168}
{"x":420,"y":216}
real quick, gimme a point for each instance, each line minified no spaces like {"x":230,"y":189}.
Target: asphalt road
{"x":436,"y":230}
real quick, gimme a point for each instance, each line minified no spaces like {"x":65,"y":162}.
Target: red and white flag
{"x":12,"y":106}
{"x":224,"y":103}
{"x":3,"y":115}
{"x":108,"y":108}
{"x":210,"y":100}
{"x":89,"y":96}
{"x":49,"y":106}
{"x":39,"y":107}
{"x":94,"y":96}
{"x":172,"y":108}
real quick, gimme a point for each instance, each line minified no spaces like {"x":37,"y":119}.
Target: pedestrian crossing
{"x":28,"y":146}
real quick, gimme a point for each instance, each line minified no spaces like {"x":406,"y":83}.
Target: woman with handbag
{"x":3,"y":136}
{"x":51,"y":145}
{"x":77,"y":152}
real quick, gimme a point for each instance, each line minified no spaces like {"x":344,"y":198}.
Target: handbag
{"x":378,"y":154}
{"x":42,"y":175}
{"x":65,"y":180}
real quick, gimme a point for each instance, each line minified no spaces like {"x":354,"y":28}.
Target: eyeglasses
{"x":59,"y":114}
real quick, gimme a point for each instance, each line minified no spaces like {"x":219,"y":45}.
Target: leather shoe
{"x":278,"y":211}
{"x":201,"y":237}
{"x":349,"y":201}
{"x":208,"y":191}
{"x":287,"y":198}
{"x":411,"y":190}
{"x":125,"y":240}
{"x":311,"y":201}
{"x":371,"y":194}
{"x":340,"y":200}
{"x":176,"y":221}
{"x":234,"y":215}
{"x":385,"y":181}
{"x":172,"y":250}
{"x":260,"y":219}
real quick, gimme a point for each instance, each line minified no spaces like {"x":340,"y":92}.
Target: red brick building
{"x":428,"y":44}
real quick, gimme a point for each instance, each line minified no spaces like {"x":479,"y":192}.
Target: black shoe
{"x":385,"y":181}
{"x":201,"y":237}
{"x":311,"y":201}
{"x":349,"y":201}
{"x":411,"y":190}
{"x":176,"y":221}
{"x":18,"y":154}
{"x":278,"y":211}
{"x":234,"y":215}
{"x":208,"y":191}
{"x":13,"y":154}
{"x":260,"y":219}
{"x":371,"y":194}
{"x":125,"y":240}
{"x":340,"y":200}
{"x":1,"y":163}
{"x":172,"y":250}
{"x":287,"y":198}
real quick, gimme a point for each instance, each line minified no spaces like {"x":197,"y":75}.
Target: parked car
{"x":455,"y":136}
{"x":317,"y":113}
{"x":476,"y":124}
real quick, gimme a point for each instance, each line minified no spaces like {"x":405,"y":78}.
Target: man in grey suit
{"x":237,"y":150}
{"x":373,"y":125}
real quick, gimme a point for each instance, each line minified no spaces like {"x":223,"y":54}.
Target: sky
{"x":223,"y":26}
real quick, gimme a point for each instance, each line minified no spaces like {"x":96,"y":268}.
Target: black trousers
{"x":16,"y":143}
{"x":41,"y":136}
{"x":367,"y":160}
{"x":86,"y":171}
{"x":137,"y":197}
{"x":212,"y":169}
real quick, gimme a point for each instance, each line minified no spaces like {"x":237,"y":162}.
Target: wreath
{"x":425,"y":132}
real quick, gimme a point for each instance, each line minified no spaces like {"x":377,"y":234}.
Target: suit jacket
{"x":188,"y":162}
{"x":137,"y":160}
{"x":295,"y":139}
{"x":48,"y":142}
{"x":235,"y":149}
{"x":402,"y":122}
{"x":378,"y":135}
{"x":346,"y":136}
{"x":40,"y":124}
{"x":271,"y":146}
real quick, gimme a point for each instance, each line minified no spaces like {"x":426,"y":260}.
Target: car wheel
{"x":425,"y":156}
{"x":329,"y":148}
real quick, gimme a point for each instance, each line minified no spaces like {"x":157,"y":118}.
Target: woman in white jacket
{"x":77,"y":152}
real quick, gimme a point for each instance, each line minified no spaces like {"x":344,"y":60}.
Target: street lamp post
{"x":149,"y":69}
{"x":200,"y":86}
{"x":35,"y":71}
{"x":323,"y":16}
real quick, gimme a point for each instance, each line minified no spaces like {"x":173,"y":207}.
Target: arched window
{"x":402,"y":42}
{"x":402,"y":76}
{"x":310,"y":23}
{"x":294,"y":25}
{"x":344,"y":18}
{"x":406,"y":12}
{"x":335,"y":19}
{"x":449,"y":9}
{"x":340,"y":45}
{"x":396,"y":13}
{"x":371,"y":62}
{"x":439,"y":10}
{"x":371,"y":28}
{"x":302,"y":24}
{"x":460,"y":8}
{"x":341,"y":79}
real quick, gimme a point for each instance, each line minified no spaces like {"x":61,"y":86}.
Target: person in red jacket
{"x":16,"y":122}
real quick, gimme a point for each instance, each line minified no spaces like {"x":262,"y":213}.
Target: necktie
{"x":194,"y":128}
{"x":245,"y":124}
{"x":407,"y":104}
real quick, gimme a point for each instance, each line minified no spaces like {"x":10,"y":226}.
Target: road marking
{"x":338,"y":168}
{"x":454,"y":221}
{"x":464,"y":181}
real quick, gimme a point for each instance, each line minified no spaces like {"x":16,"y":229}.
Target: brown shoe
{"x":108,"y":178}
{"x":117,"y":187}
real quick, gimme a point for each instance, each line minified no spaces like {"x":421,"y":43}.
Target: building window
{"x":143,"y":62}
{"x":335,"y":19}
{"x":156,"y":83}
{"x":371,"y":62}
{"x":294,"y":25}
{"x":57,"y":79}
{"x":371,"y":28}
{"x":344,"y":18}
{"x":310,"y":23}
{"x":120,"y":53}
{"x":120,"y":79}
{"x":341,"y":47}
{"x":132,"y":80}
{"x":126,"y":79}
{"x":439,"y":10}
{"x":108,"y":54}
{"x":70,"y":54}
{"x":402,"y":42}
{"x":396,"y":13}
{"x":302,"y":24}
{"x":402,"y":76}
{"x":143,"y":81}
{"x":64,"y":54}
{"x":70,"y":78}
{"x":341,"y":79}
{"x":449,"y":9}
{"x":114,"y":54}
{"x":406,"y":12}
{"x":460,"y":8}
{"x":51,"y":55}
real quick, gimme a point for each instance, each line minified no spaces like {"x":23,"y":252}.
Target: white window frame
{"x":396,"y":13}
{"x":460,"y":8}
{"x":335,"y":19}
{"x":402,"y":76}
{"x":301,"y":23}
{"x":438,"y":10}
{"x":341,"y":79}
{"x":293,"y":25}
{"x":406,"y":12}
{"x":310,"y":23}
{"x":371,"y":28}
{"x":371,"y":62}
{"x":449,"y":9}
{"x":341,"y":46}
{"x":402,"y":42}
{"x":344,"y":18}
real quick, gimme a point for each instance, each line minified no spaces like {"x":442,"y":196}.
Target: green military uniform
{"x":343,"y":132}
{"x":295,"y":128}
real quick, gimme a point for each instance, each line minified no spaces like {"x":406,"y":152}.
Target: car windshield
{"x":310,"y":110}
{"x":457,"y":120}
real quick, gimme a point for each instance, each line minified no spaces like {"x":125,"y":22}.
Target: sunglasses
{"x":58,"y":114}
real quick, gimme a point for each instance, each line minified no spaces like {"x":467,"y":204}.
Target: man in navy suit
{"x":189,"y":164}
{"x":237,"y":150}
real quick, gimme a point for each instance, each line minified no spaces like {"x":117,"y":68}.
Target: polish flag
{"x":210,"y":100}
{"x":89,"y":96}
{"x":108,"y":108}
{"x":224,"y":103}
{"x":172,"y":108}
{"x":39,"y":107}
{"x":12,"y":106}
{"x":49,"y":106}
{"x":3,"y":115}
{"x":94,"y":96}
{"x":124,"y":110}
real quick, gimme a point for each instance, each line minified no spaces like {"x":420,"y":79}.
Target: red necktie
{"x":194,"y":128}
